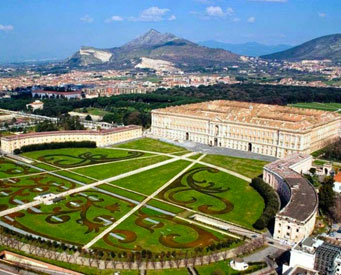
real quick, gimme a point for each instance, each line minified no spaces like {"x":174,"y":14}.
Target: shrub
{"x":271,"y":203}
{"x":55,"y":145}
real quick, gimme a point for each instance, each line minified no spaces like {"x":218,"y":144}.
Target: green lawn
{"x":45,"y":166}
{"x":149,"y":144}
{"x":74,"y":157}
{"x":149,"y":181}
{"x":9,"y":169}
{"x":77,"y":219}
{"x":247,"y":167}
{"x":154,"y":231}
{"x":74,"y":176}
{"x":108,"y":170}
{"x":165,"y":206}
{"x":223,"y":268}
{"x":332,"y":107}
{"x":121,"y":192}
{"x":24,"y":189}
{"x":216,"y":193}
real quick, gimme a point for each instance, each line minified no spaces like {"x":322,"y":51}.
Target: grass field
{"x":10,"y":168}
{"x":223,"y":268}
{"x":154,"y":231}
{"x":149,"y":181}
{"x":66,"y":158}
{"x":216,"y":193}
{"x":77,"y":219}
{"x":332,"y":107}
{"x":16,"y":191}
{"x":162,"y":224}
{"x":105,"y":171}
{"x":248,"y":167}
{"x":149,"y":144}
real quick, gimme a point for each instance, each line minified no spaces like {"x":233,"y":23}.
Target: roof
{"x":72,"y":132}
{"x":337,"y":177}
{"x":274,"y":116}
{"x":303,"y":200}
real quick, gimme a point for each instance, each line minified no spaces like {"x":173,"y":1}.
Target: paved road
{"x":202,"y":148}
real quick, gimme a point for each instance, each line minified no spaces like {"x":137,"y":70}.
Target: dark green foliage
{"x":46,"y":126}
{"x":327,"y":195}
{"x":56,"y":145}
{"x":333,"y":151}
{"x":88,"y":118}
{"x":271,"y":203}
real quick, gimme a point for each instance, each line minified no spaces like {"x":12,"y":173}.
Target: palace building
{"x":270,"y":130}
{"x":299,"y":201}
{"x":101,"y":137}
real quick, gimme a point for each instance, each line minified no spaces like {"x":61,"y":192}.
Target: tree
{"x":327,"y":195}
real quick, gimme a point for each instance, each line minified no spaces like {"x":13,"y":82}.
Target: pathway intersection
{"x":234,"y":230}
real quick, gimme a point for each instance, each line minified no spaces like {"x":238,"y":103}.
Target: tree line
{"x":136,"y":108}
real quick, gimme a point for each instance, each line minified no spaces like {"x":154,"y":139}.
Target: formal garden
{"x":143,"y":212}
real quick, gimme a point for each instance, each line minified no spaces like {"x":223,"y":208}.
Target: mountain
{"x":325,"y":47}
{"x":248,"y":49}
{"x":155,"y":45}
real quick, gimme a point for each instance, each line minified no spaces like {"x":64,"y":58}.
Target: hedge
{"x":55,"y":145}
{"x":271,"y":203}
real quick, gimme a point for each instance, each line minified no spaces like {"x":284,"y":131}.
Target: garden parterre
{"x":158,"y":226}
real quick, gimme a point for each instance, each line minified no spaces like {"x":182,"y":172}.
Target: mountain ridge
{"x":247,"y":49}
{"x":153,"y":44}
{"x":324,"y":47}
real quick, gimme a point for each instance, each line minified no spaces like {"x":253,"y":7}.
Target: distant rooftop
{"x":274,"y":116}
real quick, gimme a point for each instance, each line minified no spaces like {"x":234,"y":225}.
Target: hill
{"x":248,"y":49}
{"x":168,"y":47}
{"x":325,"y":47}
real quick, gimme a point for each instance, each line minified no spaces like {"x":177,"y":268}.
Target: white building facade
{"x":102,"y":137}
{"x":296,"y":219}
{"x":270,"y":130}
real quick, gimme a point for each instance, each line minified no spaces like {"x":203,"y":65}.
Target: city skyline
{"x":36,"y":30}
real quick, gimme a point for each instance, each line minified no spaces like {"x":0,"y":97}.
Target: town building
{"x":270,"y":130}
{"x":299,"y":201}
{"x":57,"y":94}
{"x":101,"y":137}
{"x":316,"y":255}
{"x":36,"y":105}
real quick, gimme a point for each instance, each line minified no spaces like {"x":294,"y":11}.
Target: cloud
{"x":322,"y":14}
{"x":87,"y":19}
{"x":216,"y":11}
{"x":114,"y":18}
{"x":6,"y":28}
{"x":229,"y":11}
{"x":172,"y":18}
{"x":152,"y":14}
{"x":251,"y":19}
{"x":236,"y":19}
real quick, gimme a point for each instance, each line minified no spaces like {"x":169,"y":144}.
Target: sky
{"x":55,"y":29}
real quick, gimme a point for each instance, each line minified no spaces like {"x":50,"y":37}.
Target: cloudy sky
{"x":47,"y":29}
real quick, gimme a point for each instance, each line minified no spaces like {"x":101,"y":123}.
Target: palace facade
{"x":299,"y":201}
{"x":270,"y":130}
{"x":101,"y":137}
